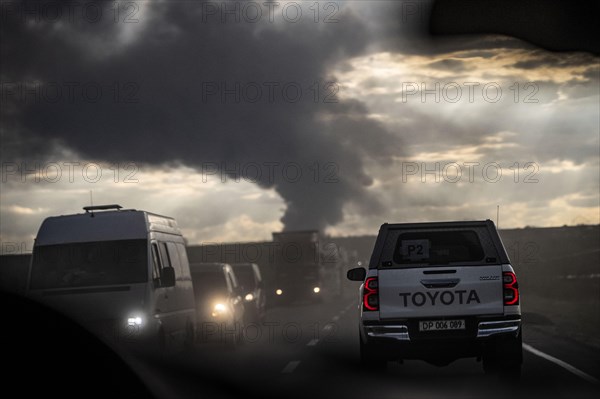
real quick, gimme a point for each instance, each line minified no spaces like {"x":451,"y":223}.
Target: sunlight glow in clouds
{"x":546,"y":115}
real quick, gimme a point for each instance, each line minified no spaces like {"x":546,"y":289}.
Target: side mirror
{"x":167,"y":277}
{"x":357,"y":274}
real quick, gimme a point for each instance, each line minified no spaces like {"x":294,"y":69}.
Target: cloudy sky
{"x":240,"y":119}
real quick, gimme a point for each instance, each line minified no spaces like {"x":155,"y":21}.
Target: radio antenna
{"x":498,"y":217}
{"x":91,"y":205}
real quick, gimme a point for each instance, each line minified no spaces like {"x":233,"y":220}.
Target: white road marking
{"x":561,"y":363}
{"x":327,"y":327}
{"x":335,"y":318}
{"x":290,"y":367}
{"x":312,"y":342}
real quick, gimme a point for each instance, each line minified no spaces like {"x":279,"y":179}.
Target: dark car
{"x":248,"y":275}
{"x":219,"y":303}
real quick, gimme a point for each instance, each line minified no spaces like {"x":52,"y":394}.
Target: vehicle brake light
{"x":371,"y":294}
{"x":511,"y":288}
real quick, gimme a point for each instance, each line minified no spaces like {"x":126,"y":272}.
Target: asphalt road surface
{"x":311,"y":351}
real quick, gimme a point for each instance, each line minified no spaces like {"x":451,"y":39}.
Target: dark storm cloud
{"x":592,"y":73}
{"x":158,"y":104}
{"x":589,"y":87}
{"x":476,"y":53}
{"x":433,"y":45}
{"x":538,"y":59}
{"x":448,"y":65}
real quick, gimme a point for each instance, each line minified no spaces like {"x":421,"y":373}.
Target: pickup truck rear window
{"x":438,"y":247}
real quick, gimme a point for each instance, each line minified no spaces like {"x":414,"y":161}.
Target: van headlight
{"x":134,"y":321}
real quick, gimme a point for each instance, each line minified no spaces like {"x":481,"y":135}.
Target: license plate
{"x":441,"y":325}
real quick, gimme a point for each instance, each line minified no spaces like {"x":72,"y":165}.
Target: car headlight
{"x":134,"y":321}
{"x":316,"y":290}
{"x":219,"y":309}
{"x":278,"y":291}
{"x":249,"y":297}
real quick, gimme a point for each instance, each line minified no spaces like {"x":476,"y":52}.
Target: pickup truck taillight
{"x":371,"y":294}
{"x":511,"y":288}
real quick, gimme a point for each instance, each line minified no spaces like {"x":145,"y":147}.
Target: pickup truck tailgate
{"x":440,"y":291}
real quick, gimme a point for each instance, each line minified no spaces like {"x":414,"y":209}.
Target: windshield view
{"x":90,"y":264}
{"x":245,"y":277}
{"x":208,"y":285}
{"x":414,"y":186}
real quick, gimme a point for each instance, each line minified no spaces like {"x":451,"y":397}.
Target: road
{"x":308,"y":351}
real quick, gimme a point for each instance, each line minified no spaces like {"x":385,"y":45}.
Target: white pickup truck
{"x":439,"y":292}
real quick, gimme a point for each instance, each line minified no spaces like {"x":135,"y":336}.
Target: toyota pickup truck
{"x":439,"y":292}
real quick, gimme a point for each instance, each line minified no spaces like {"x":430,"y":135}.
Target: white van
{"x":124,"y":274}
